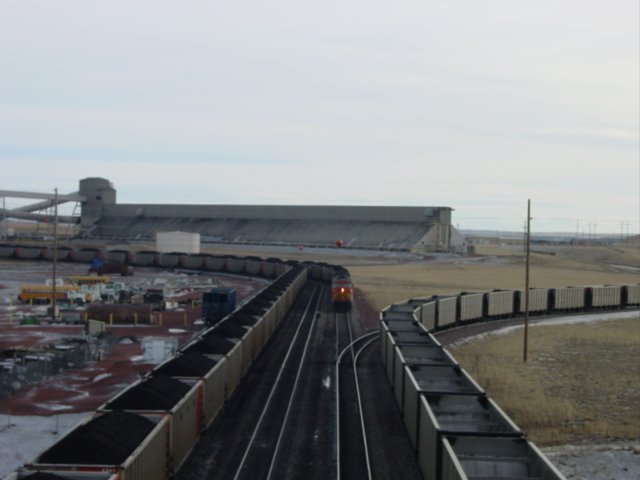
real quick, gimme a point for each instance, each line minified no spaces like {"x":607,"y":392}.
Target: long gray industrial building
{"x":396,"y":228}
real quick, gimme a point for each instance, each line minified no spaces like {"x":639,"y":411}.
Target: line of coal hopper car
{"x":148,"y":430}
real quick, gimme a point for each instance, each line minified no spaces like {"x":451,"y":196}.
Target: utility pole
{"x":526,"y":284}
{"x":4,"y":217}
{"x":55,"y":256}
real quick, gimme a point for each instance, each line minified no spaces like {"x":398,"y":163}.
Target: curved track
{"x":350,"y":421}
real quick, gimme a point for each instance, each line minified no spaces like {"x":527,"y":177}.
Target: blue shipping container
{"x":217,"y":304}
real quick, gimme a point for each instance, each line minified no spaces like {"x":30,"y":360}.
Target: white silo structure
{"x":179,"y":242}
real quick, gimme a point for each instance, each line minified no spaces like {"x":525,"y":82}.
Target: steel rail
{"x":337,"y":369}
{"x":274,"y":388}
{"x":360,"y":404}
{"x":354,"y":358}
{"x":296,"y":383}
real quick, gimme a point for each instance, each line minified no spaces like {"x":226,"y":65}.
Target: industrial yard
{"x":342,"y":241}
{"x":125,"y":362}
{"x":118,"y":354}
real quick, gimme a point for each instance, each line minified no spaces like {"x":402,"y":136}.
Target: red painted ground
{"x":80,"y":390}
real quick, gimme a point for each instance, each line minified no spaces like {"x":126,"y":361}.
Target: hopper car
{"x":456,"y":430}
{"x":199,"y":379}
{"x":441,"y":312}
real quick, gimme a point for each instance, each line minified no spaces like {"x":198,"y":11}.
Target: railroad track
{"x":281,"y":425}
{"x":351,"y":427}
{"x":284,"y":422}
{"x":263,"y":456}
{"x":297,"y":435}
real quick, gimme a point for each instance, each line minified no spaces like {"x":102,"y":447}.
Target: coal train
{"x":148,"y":430}
{"x":251,"y":265}
{"x":440,"y":312}
{"x":456,"y":430}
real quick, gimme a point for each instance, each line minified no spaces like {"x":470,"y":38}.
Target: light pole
{"x":526,"y":283}
{"x":55,"y":255}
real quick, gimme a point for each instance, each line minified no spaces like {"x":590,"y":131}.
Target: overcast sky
{"x":473,"y":104}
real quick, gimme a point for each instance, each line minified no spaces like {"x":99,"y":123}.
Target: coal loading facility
{"x":385,"y":228}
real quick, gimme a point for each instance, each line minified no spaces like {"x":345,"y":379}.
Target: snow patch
{"x":22,"y":438}
{"x":53,"y":407}
{"x":100,"y":377}
{"x":568,"y":320}
{"x":620,"y":461}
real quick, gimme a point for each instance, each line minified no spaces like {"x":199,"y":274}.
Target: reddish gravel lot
{"x":85,"y":389}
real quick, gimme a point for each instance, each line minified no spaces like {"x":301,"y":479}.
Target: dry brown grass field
{"x":386,"y":284}
{"x":581,"y":382}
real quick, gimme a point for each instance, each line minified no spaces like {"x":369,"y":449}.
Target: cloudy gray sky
{"x":473,"y":104}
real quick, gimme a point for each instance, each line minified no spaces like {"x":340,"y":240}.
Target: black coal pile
{"x":211,"y":344}
{"x":230,"y":330}
{"x":108,"y":439}
{"x":244,"y":317}
{"x":44,"y":476}
{"x":156,"y":393}
{"x":191,"y":364}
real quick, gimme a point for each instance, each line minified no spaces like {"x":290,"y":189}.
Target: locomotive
{"x":341,"y":293}
{"x":101,"y":265}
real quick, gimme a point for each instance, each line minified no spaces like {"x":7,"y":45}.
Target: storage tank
{"x":183,"y":242}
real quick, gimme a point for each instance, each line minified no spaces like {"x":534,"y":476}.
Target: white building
{"x":177,"y":242}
